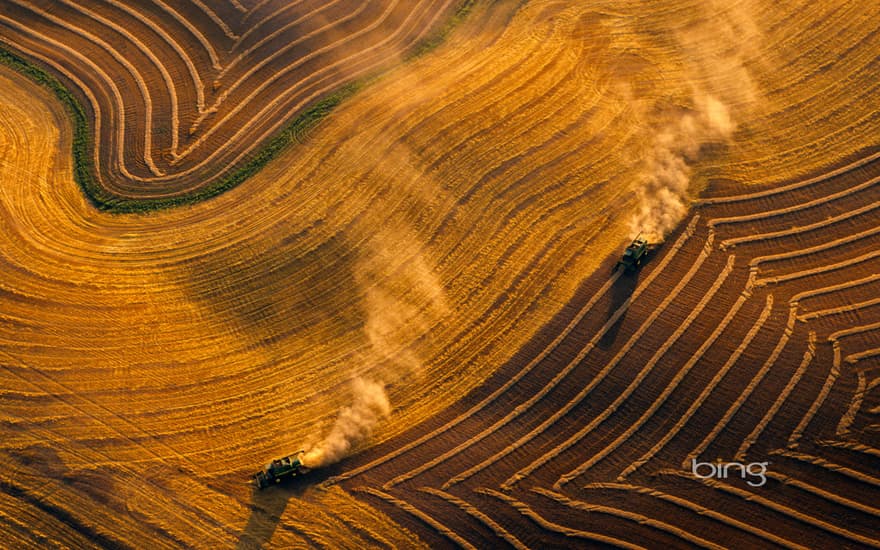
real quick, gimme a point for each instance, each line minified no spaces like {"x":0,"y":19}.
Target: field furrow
{"x":387,"y":233}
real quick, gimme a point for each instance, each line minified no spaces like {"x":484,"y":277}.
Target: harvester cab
{"x":633,"y":255}
{"x":279,"y":469}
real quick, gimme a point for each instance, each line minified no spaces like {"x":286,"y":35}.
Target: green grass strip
{"x":461,"y":12}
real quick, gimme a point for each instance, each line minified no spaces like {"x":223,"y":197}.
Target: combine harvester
{"x":280,"y":469}
{"x":633,"y":255}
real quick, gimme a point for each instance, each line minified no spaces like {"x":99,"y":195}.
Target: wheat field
{"x":267,"y":200}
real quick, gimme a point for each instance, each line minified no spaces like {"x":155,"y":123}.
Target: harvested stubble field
{"x":448,"y":231}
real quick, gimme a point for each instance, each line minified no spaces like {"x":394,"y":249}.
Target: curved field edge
{"x":294,"y":132}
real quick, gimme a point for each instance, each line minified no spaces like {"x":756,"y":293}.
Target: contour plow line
{"x":700,"y":399}
{"x":584,"y":392}
{"x":770,"y":504}
{"x":699,"y":510}
{"x":790,"y":187}
{"x":528,"y":404}
{"x":486,"y":401}
{"x":472,"y":511}
{"x":371,"y":42}
{"x":731,"y":313}
{"x":640,"y":519}
{"x":531,"y":514}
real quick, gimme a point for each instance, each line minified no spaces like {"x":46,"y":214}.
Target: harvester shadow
{"x":268,"y":505}
{"x":621,"y":291}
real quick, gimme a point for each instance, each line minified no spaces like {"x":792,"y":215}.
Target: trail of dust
{"x":715,"y":55}
{"x":663,"y":193}
{"x":403,"y":300}
{"x":354,"y":424}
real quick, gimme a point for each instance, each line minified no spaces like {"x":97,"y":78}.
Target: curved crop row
{"x":827,"y":495}
{"x":170,"y":152}
{"x":856,"y":357}
{"x":746,"y":393}
{"x":852,"y":445}
{"x":686,"y":273}
{"x":500,"y":391}
{"x":700,"y":399}
{"x":577,"y":359}
{"x":833,"y":375}
{"x":769,"y":503}
{"x":641,"y":519}
{"x":779,"y":190}
{"x":471,"y":510}
{"x":714,"y":222}
{"x":528,"y":512}
{"x":731,"y":313}
{"x":783,"y":395}
{"x":651,"y":364}
{"x":412,"y":510}
{"x":449,"y":234}
{"x":854,"y":405}
{"x":828,"y":465}
{"x":700,"y":510}
{"x":803,"y":229}
{"x":755,"y":263}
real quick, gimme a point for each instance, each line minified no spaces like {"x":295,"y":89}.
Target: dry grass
{"x":446,"y":231}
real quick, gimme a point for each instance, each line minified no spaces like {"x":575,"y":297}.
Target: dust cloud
{"x":715,"y":55}
{"x":353,"y":425}
{"x":402,"y":301}
{"x":662,"y":197}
